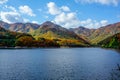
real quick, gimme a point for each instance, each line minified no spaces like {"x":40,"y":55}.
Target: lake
{"x":58,"y":64}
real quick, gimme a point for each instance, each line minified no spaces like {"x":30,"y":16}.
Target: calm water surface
{"x":58,"y":64}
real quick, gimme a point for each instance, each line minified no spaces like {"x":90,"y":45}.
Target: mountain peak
{"x":48,"y":23}
{"x":81,"y":27}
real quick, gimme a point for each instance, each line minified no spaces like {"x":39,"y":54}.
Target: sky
{"x":67,"y":13}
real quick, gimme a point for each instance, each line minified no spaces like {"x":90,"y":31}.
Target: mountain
{"x":8,"y":38}
{"x":96,"y":35}
{"x":19,"y":27}
{"x":85,"y":33}
{"x":2,"y":29}
{"x":111,"y":42}
{"x":53,"y":31}
{"x":82,"y":31}
{"x":6,"y":34}
{"x":80,"y":36}
{"x":104,"y":32}
{"x":4,"y":25}
{"x":47,"y":30}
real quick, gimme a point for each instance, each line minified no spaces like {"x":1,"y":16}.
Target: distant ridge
{"x":96,"y":35}
{"x":19,"y":27}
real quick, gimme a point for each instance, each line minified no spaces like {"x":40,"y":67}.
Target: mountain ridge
{"x":48,"y":31}
{"x":51,"y":30}
{"x":96,"y":35}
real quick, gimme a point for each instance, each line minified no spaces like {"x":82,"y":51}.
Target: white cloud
{"x":104,"y":2}
{"x":89,"y":23}
{"x":3,"y":1}
{"x":65,"y":8}
{"x":53,"y":9}
{"x":11,"y":8}
{"x":26,"y":10}
{"x":69,"y":19}
{"x":26,"y":20}
{"x":63,"y":16}
{"x":104,"y":22}
{"x":10,"y":14}
{"x":36,"y":22}
{"x":11,"y":17}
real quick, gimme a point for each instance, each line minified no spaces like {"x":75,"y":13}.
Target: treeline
{"x":9,"y":39}
{"x":27,"y":41}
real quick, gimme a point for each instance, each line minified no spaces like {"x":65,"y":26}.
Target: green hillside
{"x":111,"y":42}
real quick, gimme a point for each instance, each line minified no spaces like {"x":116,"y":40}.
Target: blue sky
{"x":67,"y":13}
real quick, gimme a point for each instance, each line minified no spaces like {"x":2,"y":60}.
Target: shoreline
{"x":12,"y":48}
{"x":40,"y":47}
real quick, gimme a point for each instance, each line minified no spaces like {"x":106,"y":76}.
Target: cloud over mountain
{"x":68,"y":19}
{"x":53,"y":9}
{"x":11,"y":14}
{"x":26,"y":10}
{"x":69,"y":14}
{"x":11,"y":17}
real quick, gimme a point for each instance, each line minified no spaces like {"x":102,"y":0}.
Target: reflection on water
{"x":58,"y":64}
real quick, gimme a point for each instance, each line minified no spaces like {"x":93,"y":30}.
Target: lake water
{"x":58,"y":64}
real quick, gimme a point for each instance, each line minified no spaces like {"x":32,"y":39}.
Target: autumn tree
{"x":24,"y":41}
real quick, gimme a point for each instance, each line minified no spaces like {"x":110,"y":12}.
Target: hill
{"x":111,"y":42}
{"x":94,"y":36}
{"x":52,"y":30}
{"x":48,"y":31}
{"x":85,"y":33}
{"x":20,"y":27}
{"x":8,"y":38}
